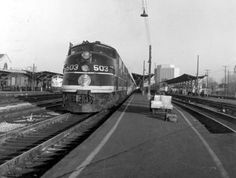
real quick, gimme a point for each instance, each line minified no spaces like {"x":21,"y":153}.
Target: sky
{"x":39,"y":31}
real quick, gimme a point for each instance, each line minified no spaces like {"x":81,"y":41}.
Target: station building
{"x":21,"y":80}
{"x":26,"y":80}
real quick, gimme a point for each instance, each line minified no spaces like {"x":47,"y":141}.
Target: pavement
{"x":135,"y":143}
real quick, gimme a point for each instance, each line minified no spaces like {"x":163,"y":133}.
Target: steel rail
{"x":222,"y":106}
{"x":39,"y":125}
{"x":77,"y":129}
{"x":209,"y":113}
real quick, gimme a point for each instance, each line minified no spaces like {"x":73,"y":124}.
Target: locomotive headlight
{"x":86,"y":55}
{"x":85,"y":68}
{"x":84,"y":80}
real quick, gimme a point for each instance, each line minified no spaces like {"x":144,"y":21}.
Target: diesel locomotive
{"x":95,"y":78}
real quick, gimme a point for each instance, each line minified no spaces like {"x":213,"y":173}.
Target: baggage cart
{"x":161,"y":105}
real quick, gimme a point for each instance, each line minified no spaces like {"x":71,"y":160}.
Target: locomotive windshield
{"x":79,"y":48}
{"x":106,"y":50}
{"x":94,"y":47}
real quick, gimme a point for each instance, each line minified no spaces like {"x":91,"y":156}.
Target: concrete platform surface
{"x":135,"y":143}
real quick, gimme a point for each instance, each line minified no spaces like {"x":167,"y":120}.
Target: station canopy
{"x":5,"y":73}
{"x":45,"y":75}
{"x":139,"y":78}
{"x":183,"y":78}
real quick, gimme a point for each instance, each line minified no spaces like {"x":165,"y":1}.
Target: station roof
{"x":8,"y":71}
{"x":183,"y":78}
{"x":46,"y":75}
{"x":138,"y":78}
{"x":5,"y":73}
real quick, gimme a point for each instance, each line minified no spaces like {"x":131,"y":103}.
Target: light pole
{"x":145,"y":15}
{"x":197,"y":73}
{"x":143,"y":78}
{"x":225,"y":91}
{"x":207,"y":75}
{"x":228,"y":87}
{"x":149,"y":72}
{"x":32,"y":78}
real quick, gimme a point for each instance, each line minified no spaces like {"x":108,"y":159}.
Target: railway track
{"x":215,"y":121}
{"x":16,"y":110}
{"x":33,"y":148}
{"x":30,"y":151}
{"x":36,"y":145}
{"x":222,"y":106}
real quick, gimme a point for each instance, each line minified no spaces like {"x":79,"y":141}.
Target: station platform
{"x":135,"y":143}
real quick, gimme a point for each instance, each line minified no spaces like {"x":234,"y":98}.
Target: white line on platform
{"x":89,"y":159}
{"x":215,"y":158}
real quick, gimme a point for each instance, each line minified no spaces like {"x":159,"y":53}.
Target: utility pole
{"x":149,"y":72}
{"x":33,"y":78}
{"x":228,"y":83}
{"x":143,"y":78}
{"x":197,"y":72}
{"x":207,"y":74}
{"x":225,"y":81}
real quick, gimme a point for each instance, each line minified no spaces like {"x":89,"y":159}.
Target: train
{"x":94,"y":78}
{"x":56,"y":83}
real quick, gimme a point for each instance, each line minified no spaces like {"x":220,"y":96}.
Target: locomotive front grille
{"x":78,"y":98}
{"x":83,"y":92}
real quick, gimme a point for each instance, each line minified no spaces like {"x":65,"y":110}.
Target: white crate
{"x":162,"y":102}
{"x":156,"y":104}
{"x":157,"y":98}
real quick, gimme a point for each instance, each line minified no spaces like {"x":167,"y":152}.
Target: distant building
{"x":13,"y":79}
{"x":165,"y":72}
{"x":17,"y":78}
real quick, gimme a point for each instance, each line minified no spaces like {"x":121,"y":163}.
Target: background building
{"x":28,"y":79}
{"x":165,"y":72}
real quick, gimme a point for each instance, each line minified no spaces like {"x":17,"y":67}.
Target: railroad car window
{"x":106,"y":50}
